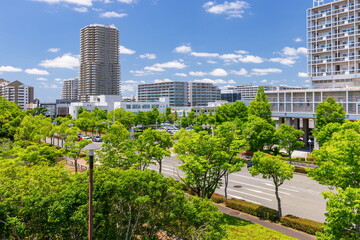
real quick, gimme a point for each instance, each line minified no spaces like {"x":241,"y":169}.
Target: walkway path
{"x":274,"y":226}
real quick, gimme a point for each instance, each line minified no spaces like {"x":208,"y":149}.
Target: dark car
{"x":96,"y":139}
{"x":249,"y":164}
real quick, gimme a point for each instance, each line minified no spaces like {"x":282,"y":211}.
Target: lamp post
{"x":309,"y":141}
{"x":91,"y":148}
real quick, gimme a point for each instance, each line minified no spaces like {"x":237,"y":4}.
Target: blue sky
{"x":225,"y":42}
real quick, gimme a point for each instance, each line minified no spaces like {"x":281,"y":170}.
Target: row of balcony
{"x":331,"y":73}
{"x":334,"y":59}
{"x":348,"y":8}
{"x":333,"y":36}
{"x":329,"y":48}
{"x":333,"y":24}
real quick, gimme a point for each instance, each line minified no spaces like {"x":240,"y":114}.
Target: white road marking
{"x":285,"y":188}
{"x":243,"y":199}
{"x":249,"y":194}
{"x":258,"y":187}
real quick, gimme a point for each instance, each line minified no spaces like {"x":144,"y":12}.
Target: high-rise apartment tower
{"x":70,"y":89}
{"x":99,"y":61}
{"x":334,"y":43}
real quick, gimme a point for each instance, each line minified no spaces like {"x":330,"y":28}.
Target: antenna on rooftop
{"x":317,"y":3}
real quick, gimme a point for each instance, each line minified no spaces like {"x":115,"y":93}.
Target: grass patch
{"x":238,"y":229}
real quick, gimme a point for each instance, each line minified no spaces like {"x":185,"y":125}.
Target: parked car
{"x":96,"y":139}
{"x":80,"y":136}
{"x":86,"y":137}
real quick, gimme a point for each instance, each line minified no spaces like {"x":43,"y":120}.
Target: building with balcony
{"x":70,"y":89}
{"x":200,"y":94}
{"x":176,"y":92}
{"x":99,"y":61}
{"x":230,"y":95}
{"x":19,"y":93}
{"x":3,"y":83}
{"x":333,"y":39}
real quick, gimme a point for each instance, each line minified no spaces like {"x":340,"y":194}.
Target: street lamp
{"x":309,"y":141}
{"x":91,"y":148}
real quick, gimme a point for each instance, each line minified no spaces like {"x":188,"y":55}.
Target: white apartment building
{"x":333,"y":39}
{"x":3,"y":83}
{"x":19,"y":93}
{"x":70,"y":89}
{"x":200,"y":94}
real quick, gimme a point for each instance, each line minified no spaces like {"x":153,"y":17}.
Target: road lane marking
{"x":284,"y":188}
{"x":246,"y":194}
{"x":258,"y":187}
{"x":267,"y":199}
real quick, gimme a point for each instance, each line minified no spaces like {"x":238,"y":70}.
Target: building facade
{"x":3,"y":83}
{"x":19,"y":93}
{"x":230,"y":95}
{"x":200,"y":94}
{"x":176,"y":92}
{"x":333,"y":39}
{"x":99,"y":61}
{"x":70,"y":89}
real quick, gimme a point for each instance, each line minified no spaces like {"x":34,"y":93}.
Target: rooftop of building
{"x":101,"y":25}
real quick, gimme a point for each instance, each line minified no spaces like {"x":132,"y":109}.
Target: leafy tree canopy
{"x":329,"y":111}
{"x":260,"y":106}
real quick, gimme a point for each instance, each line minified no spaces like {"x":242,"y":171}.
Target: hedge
{"x":302,"y":224}
{"x":217,"y":198}
{"x":253,"y":209}
{"x":300,"y":170}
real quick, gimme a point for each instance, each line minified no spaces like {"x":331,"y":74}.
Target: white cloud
{"x":148,"y":56}
{"x":181,"y":74}
{"x":212,"y":62}
{"x":308,"y":80}
{"x":241,"y":52}
{"x":141,"y":73}
{"x":215,"y":81}
{"x":133,"y":82}
{"x":264,"y":81}
{"x":265,"y":71}
{"x":173,"y":64}
{"x":59,"y":80}
{"x":127,"y":88}
{"x":154,"y":69}
{"x":218,"y":72}
{"x":234,"y":9}
{"x":47,"y":85}
{"x":231,"y":57}
{"x":298,"y":40}
{"x":199,"y":54}
{"x":127,"y":1}
{"x":41,"y":79}
{"x":77,"y":2}
{"x":162,"y":80}
{"x":65,"y":61}
{"x":251,"y":59}
{"x":183,"y":49}
{"x":53,"y":50}
{"x":231,"y":82}
{"x":289,"y":51}
{"x":284,"y":61}
{"x":226,"y":87}
{"x":127,"y":51}
{"x":10,"y":69}
{"x":81,"y":9}
{"x":302,"y":74}
{"x":36,"y":71}
{"x":197,"y":74}
{"x":241,"y":72}
{"x":112,"y":15}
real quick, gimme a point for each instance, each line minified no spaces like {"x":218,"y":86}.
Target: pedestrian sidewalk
{"x":274,"y":226}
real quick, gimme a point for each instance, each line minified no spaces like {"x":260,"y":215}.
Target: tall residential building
{"x":230,"y":95}
{"x":334,"y":43}
{"x":200,"y":94}
{"x":99,"y":61}
{"x":19,"y":93}
{"x":70,"y":89}
{"x":176,"y":92}
{"x":3,"y":83}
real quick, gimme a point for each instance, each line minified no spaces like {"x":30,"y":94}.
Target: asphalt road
{"x":300,"y":196}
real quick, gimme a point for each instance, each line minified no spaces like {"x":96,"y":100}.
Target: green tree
{"x":37,"y":154}
{"x":152,"y":147}
{"x":236,"y":111}
{"x":343,"y":218}
{"x":326,"y":132}
{"x":231,"y":144}
{"x":122,"y":116}
{"x":274,"y":168}
{"x":205,"y":160}
{"x":118,"y":149}
{"x":259,"y":133}
{"x":36,"y":111}
{"x":260,"y":106}
{"x":288,"y":138}
{"x":338,"y":160}
{"x":327,"y":112}
{"x":34,"y":128}
{"x":10,"y":118}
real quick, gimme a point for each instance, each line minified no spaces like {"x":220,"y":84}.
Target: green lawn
{"x":239,"y":229}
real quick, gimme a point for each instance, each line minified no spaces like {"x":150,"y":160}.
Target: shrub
{"x":300,"y":170}
{"x":217,"y":198}
{"x":302,"y":224}
{"x":253,"y":209}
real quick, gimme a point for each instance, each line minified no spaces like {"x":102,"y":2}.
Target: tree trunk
{"x":76,"y":167}
{"x":278,"y":200}
{"x":226,"y":184}
{"x":160,"y":166}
